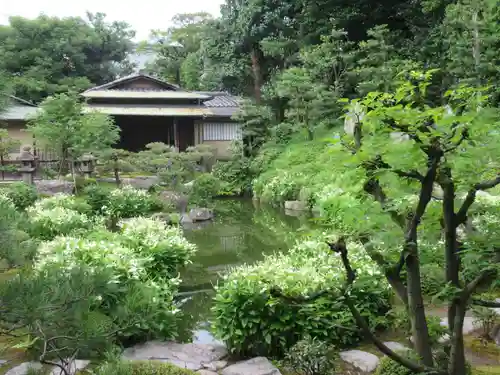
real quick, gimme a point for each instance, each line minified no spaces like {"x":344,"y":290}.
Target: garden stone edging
{"x":363,"y":361}
{"x":254,"y":366}
{"x":189,"y":356}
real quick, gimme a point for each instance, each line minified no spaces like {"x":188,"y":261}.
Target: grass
{"x":486,"y":370}
{"x":487,"y":350}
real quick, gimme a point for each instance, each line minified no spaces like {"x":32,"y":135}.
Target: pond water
{"x":241,"y":233}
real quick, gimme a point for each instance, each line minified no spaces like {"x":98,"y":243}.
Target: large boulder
{"x":72,"y":368}
{"x":189,"y":356}
{"x":296,"y":206}
{"x":254,"y":366}
{"x":53,"y":187}
{"x":201,"y":214}
{"x":363,"y":361}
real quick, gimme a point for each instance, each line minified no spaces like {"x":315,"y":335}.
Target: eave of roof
{"x":144,"y":94}
{"x":134,"y":110}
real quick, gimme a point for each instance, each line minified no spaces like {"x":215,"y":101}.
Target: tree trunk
{"x":257,"y":74}
{"x":457,"y":363}
{"x":416,"y":307}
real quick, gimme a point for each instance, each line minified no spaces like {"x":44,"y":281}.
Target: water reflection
{"x":242,"y":232}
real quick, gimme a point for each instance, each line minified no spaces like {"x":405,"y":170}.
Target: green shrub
{"x":143,"y":306}
{"x":310,"y":356}
{"x":45,"y":224}
{"x":254,"y":322}
{"x":235,"y":175}
{"x":164,"y":245}
{"x":97,"y":197}
{"x":120,"y":203}
{"x":140,"y":368}
{"x":65,"y":201}
{"x":389,"y":367}
{"x":21,"y":194}
{"x":205,"y":188}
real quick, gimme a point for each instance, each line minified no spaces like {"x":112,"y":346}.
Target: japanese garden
{"x":296,"y":188}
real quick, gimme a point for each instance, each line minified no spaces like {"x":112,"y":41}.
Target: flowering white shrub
{"x":165,"y":244}
{"x":62,"y":200}
{"x":69,"y":253}
{"x":245,"y":296}
{"x":128,"y":202}
{"x":6,"y":202}
{"x":142,"y":306}
{"x":49,"y":223}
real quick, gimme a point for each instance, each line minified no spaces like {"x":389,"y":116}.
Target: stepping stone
{"x":23,"y":368}
{"x":396,"y":346}
{"x":188,"y":356}
{"x":254,"y":366}
{"x":74,"y":366}
{"x":364,"y":361}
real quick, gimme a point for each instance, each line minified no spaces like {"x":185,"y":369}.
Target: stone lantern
{"x":87,"y":165}
{"x":28,"y":166}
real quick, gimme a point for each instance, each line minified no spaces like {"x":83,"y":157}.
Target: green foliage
{"x":7,"y":143}
{"x":253,"y":321}
{"x":140,"y":368}
{"x":120,"y":203}
{"x":310,"y":356}
{"x":485,"y":319}
{"x":389,"y":367}
{"x":21,"y":194}
{"x":70,"y":202}
{"x":63,"y":127}
{"x":42,"y":63}
{"x":205,"y":188}
{"x":235,"y":175}
{"x":46,"y":224}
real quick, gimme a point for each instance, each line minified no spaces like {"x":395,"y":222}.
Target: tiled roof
{"x":225,"y":100}
{"x":19,"y":109}
{"x":130,"y":78}
{"x":144,"y":94}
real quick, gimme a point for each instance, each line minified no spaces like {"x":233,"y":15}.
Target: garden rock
{"x":296,"y":206}
{"x":497,"y":309}
{"x":189,"y":356}
{"x":395,"y":346}
{"x":73,"y":367}
{"x":23,"y":368}
{"x":206,"y":372}
{"x":178,"y":200}
{"x":201,"y":214}
{"x":3,"y":362}
{"x":53,"y":187}
{"x":254,"y":366}
{"x":215,"y":366}
{"x":364,"y":361}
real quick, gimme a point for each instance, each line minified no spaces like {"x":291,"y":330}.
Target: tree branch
{"x":484,"y":278}
{"x":461,"y":217}
{"x":341,"y":249}
{"x":481,"y":302}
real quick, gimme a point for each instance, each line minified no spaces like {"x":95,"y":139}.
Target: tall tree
{"x":49,"y":55}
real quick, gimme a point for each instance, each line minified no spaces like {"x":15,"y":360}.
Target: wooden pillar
{"x":176,"y":133}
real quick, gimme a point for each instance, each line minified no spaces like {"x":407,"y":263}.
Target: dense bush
{"x":164,"y":245}
{"x":310,"y":356}
{"x":140,"y":368}
{"x":21,"y":194}
{"x":389,"y":367}
{"x":46,"y":224}
{"x":205,"y":188}
{"x":143,"y":307}
{"x":125,"y":202}
{"x":65,"y":201}
{"x":251,"y":321}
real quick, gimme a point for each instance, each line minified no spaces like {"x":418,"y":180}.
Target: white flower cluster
{"x":6,"y":202}
{"x":308,"y":267}
{"x":68,"y":253}
{"x":127,"y":202}
{"x":151,"y":234}
{"x":58,"y":200}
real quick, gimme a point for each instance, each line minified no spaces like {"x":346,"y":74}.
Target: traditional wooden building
{"x":147,"y":110}
{"x":14,"y":119}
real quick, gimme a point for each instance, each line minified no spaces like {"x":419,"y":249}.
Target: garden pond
{"x":243,"y":232}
